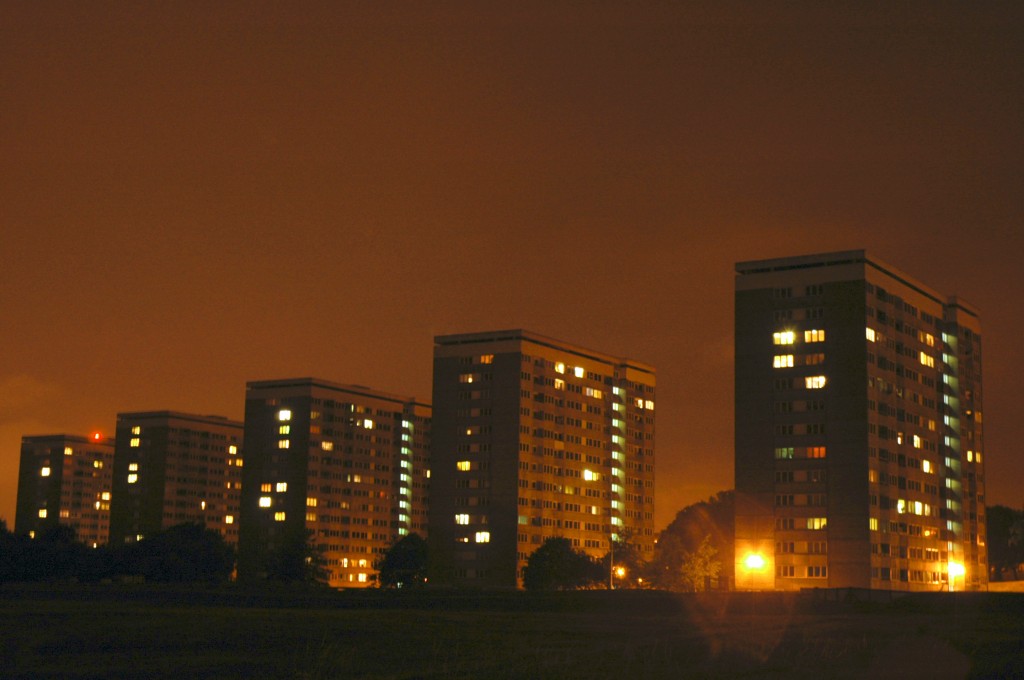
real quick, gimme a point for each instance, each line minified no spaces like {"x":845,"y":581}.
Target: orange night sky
{"x":193,"y":195}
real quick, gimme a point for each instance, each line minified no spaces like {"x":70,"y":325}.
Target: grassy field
{"x":151,"y":632}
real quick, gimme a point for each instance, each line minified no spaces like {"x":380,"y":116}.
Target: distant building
{"x":171,"y":468}
{"x":65,"y":479}
{"x":533,"y":438}
{"x":342,"y":467}
{"x":859,"y":447}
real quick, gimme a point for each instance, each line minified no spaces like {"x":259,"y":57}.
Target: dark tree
{"x":701,"y":567}
{"x":710,"y":520}
{"x":666,"y":569}
{"x":12,"y":549}
{"x":298,"y":559}
{"x":404,"y":565}
{"x":54,"y":555}
{"x":625,"y":556}
{"x":556,"y":565}
{"x":182,"y":553}
{"x":1005,"y":529}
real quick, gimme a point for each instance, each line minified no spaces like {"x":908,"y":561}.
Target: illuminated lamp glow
{"x":96,"y":436}
{"x":754,"y":561}
{"x":956,"y":569}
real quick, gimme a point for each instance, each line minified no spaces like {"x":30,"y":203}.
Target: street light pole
{"x":611,"y":562}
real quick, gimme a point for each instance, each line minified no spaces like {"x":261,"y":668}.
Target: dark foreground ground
{"x":152,"y":632}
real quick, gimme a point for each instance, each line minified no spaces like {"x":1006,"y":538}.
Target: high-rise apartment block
{"x":859,"y":448}
{"x":172,"y":468}
{"x":534,"y":438}
{"x":65,"y":479}
{"x":341,"y":466}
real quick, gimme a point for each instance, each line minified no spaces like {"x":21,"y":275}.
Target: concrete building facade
{"x":344,"y":467}
{"x":67,"y":480}
{"x":171,"y":468}
{"x":859,"y":440}
{"x":532,"y":438}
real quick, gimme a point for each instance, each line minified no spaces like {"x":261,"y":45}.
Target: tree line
{"x":179,"y":554}
{"x":693,"y":553}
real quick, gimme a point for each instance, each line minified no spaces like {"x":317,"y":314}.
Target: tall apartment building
{"x":859,"y":448}
{"x":345,"y":465}
{"x":171,"y":468}
{"x":534,"y":438}
{"x":65,"y":479}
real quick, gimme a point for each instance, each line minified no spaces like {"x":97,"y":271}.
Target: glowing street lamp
{"x":955,"y":569}
{"x":754,"y":562}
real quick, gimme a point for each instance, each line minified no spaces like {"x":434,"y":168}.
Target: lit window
{"x":327,"y":446}
{"x":926,"y":465}
{"x":870,"y":332}
{"x":815,"y":451}
{"x":970,"y":456}
{"x":466,"y":377}
{"x":917,"y":442}
{"x":310,"y":502}
{"x":927,"y":360}
{"x":782,"y":361}
{"x":202,"y":505}
{"x":559,"y":384}
{"x":814,"y":335}
{"x":815,"y":382}
{"x":483,"y":537}
{"x":784,"y":338}
{"x":486,"y":358}
{"x":284,"y":414}
{"x":45,"y":472}
{"x":595,"y":393}
{"x":265,"y":488}
{"x":784,"y":453}
{"x":265,"y":501}
{"x":590,"y":476}
{"x":279,"y":516}
{"x":134,"y":443}
{"x":462,"y":519}
{"x":67,"y":451}
{"x":283,"y":443}
{"x":649,"y":405}
{"x":579,"y":373}
{"x":233,"y":449}
{"x":42,"y":513}
{"x":310,"y":516}
{"x":282,"y":487}
{"x":817,"y":523}
{"x":463,"y":465}
{"x":229,"y":519}
{"x":136,"y":430}
{"x":105,"y":496}
{"x":132,"y":478}
{"x":133,"y":467}
{"x":368,"y":424}
{"x":284,"y":429}
{"x":97,"y":464}
{"x":362,"y":577}
{"x":559,"y":367}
